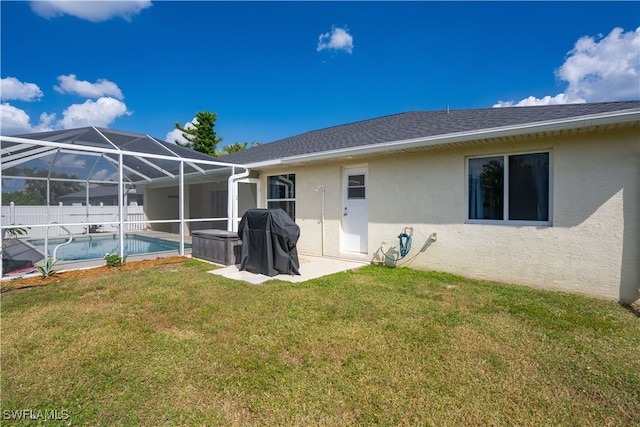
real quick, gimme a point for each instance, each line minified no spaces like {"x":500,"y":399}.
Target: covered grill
{"x":269,"y":238}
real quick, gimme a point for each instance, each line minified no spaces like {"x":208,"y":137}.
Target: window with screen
{"x":356,"y":187}
{"x":281,"y":193}
{"x":509,"y":188}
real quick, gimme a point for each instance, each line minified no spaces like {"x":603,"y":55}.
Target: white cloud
{"x":176,"y":134}
{"x":337,"y":39}
{"x":100,"y":113}
{"x":604,"y":69}
{"x":46,"y":122}
{"x":596,"y":70}
{"x":13,"y":120}
{"x":560,"y":98}
{"x":102,"y":87}
{"x":16,"y":121}
{"x":105,"y":175}
{"x":12,"y":88}
{"x":70,"y":161}
{"x":91,"y":10}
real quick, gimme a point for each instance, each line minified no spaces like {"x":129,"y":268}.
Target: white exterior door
{"x":355,"y":214}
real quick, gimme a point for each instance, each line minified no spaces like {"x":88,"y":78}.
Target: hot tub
{"x":219,"y":246}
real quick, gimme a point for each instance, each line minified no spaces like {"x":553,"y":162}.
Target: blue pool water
{"x":94,"y":247}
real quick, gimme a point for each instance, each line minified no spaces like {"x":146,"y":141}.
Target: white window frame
{"x":363,"y":186}
{"x":505,"y":157}
{"x":290,"y":199}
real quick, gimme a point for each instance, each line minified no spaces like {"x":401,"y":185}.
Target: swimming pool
{"x":94,"y":247}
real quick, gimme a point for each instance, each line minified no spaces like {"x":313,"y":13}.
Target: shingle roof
{"x":417,"y":124}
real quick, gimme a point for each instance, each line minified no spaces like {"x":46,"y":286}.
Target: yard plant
{"x":114,"y":260}
{"x":46,"y":269}
{"x":175,"y":345}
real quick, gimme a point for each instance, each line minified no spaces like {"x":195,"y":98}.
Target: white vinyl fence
{"x":91,"y":218}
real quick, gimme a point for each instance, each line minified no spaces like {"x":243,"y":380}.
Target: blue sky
{"x":277,"y":69}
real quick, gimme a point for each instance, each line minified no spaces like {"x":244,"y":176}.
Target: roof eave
{"x":621,"y":117}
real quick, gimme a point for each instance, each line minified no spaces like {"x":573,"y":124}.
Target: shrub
{"x":114,"y":260}
{"x":46,"y":270}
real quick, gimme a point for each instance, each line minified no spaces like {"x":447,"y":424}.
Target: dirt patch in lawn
{"x":29,"y":282}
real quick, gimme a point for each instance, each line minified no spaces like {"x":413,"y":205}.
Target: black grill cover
{"x":269,"y":238}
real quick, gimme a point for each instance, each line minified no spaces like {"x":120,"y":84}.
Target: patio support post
{"x":86,"y":205}
{"x":46,"y":229}
{"x":48,"y":211}
{"x":230,"y":200}
{"x":181,"y":202}
{"x":120,"y":207}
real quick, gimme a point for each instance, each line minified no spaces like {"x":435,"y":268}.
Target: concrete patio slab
{"x":311,"y":267}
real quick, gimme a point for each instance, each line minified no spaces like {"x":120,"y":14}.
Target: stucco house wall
{"x":310,"y":178}
{"x":161,"y":204}
{"x":591,"y":246}
{"x":200,"y":204}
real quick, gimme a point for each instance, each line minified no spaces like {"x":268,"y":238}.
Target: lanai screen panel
{"x":101,"y":166}
{"x":79,"y":170}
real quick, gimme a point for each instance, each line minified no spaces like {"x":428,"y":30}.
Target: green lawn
{"x":175,"y":345}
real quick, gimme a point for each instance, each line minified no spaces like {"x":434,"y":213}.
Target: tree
{"x":22,"y":198}
{"x":201,"y":135}
{"x":238,"y":146}
{"x":35,"y":190}
{"x":56,"y":188}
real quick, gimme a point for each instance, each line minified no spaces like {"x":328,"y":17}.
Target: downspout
{"x":232,"y":198}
